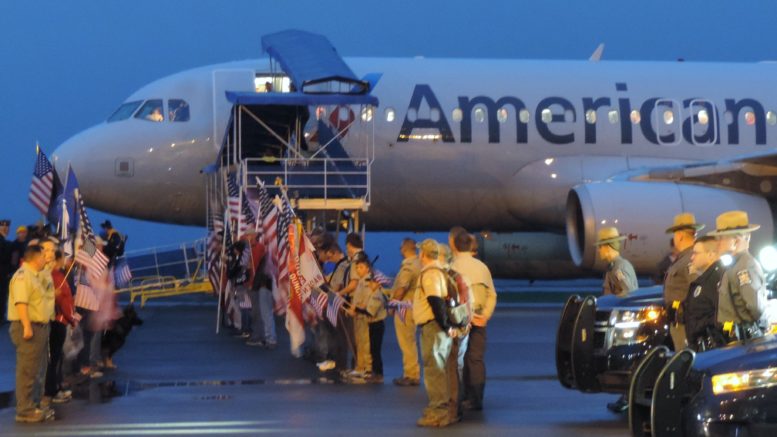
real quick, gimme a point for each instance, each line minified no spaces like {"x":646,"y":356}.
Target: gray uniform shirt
{"x":619,"y":279}
{"x":742,"y":292}
{"x":678,"y":278}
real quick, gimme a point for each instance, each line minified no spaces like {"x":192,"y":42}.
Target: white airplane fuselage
{"x":487,"y":144}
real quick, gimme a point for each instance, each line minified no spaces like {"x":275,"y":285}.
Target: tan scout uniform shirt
{"x":34,"y":289}
{"x":678,"y":278}
{"x":742,"y":292}
{"x":431,"y":282}
{"x":481,"y":283}
{"x":620,"y":278}
{"x":407,"y":278}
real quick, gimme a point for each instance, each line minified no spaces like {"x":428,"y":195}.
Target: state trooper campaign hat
{"x":608,"y":236}
{"x":685,"y":220}
{"x":733,"y":222}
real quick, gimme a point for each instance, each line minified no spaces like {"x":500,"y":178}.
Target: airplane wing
{"x":753,"y":173}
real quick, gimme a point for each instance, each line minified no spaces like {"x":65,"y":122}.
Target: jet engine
{"x":644,"y":210}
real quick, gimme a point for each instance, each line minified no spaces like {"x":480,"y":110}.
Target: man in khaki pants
{"x":30,"y":309}
{"x":404,"y":290}
{"x":430,"y":315}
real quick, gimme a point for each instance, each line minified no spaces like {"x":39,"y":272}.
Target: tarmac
{"x":176,"y":376}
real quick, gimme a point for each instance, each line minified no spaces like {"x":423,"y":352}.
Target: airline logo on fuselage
{"x":658,"y":119}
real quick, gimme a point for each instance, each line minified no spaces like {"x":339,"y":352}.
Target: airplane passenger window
{"x":390,"y":115}
{"x":524,"y":116}
{"x":151,"y":111}
{"x":457,"y":115}
{"x":590,"y":116}
{"x":367,"y":113}
{"x":771,"y":118}
{"x":177,"y":110}
{"x":635,"y":117}
{"x":124,"y":111}
{"x":502,"y":114}
{"x":480,"y":115}
{"x":750,"y":118}
{"x":613,"y":116}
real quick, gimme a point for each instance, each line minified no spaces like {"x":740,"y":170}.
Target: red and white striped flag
{"x":319,"y":303}
{"x":42,"y":183}
{"x":335,"y":305}
{"x":92,"y":259}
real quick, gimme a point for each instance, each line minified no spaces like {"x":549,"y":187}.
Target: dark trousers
{"x":376,"y":344}
{"x":475,"y":366}
{"x":3,"y":299}
{"x":344,"y":341}
{"x":54,"y":372}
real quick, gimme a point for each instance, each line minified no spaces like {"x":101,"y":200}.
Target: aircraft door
{"x":702,"y":127}
{"x":667,"y":121}
{"x":227,"y":80}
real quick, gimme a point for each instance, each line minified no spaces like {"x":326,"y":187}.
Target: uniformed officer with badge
{"x":700,"y":306}
{"x":742,"y":294}
{"x":679,"y":275}
{"x":619,"y":279}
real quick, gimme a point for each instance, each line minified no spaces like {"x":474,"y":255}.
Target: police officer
{"x":700,"y":306}
{"x":619,"y":279}
{"x":678,"y":275}
{"x":742,"y":292}
{"x":30,"y":309}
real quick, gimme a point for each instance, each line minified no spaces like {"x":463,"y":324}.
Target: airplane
{"x":538,"y":153}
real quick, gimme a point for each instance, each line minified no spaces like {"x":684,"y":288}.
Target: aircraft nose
{"x":86,"y":153}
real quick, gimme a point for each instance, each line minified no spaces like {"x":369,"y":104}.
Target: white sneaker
{"x":326,"y":365}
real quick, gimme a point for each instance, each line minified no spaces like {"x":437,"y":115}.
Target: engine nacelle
{"x":644,"y":210}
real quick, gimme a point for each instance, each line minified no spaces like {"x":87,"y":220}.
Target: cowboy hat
{"x":685,"y":220}
{"x":733,"y":222}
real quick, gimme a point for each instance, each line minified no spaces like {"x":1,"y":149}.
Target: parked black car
{"x":601,"y":340}
{"x":730,"y":391}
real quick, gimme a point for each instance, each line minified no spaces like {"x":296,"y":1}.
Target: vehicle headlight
{"x":739,"y":381}
{"x":627,"y":324}
{"x":768,"y":258}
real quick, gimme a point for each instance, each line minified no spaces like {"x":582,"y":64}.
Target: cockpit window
{"x":124,"y":111}
{"x":177,"y":110}
{"x":151,"y":111}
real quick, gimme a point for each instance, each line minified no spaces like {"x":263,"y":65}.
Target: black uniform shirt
{"x":701,"y":304}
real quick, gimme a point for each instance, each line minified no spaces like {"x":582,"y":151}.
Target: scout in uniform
{"x":679,"y":276}
{"x":619,"y":279}
{"x":403,"y":290}
{"x":30,"y":309}
{"x":742,"y":293}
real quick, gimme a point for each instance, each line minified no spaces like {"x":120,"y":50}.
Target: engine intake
{"x":643,"y":211}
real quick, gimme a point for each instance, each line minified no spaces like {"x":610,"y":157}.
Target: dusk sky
{"x":66,"y":65}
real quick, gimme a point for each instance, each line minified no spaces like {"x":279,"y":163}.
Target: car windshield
{"x":124,"y":111}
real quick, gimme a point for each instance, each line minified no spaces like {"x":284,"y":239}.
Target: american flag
{"x":335,"y":304}
{"x":233,"y":198}
{"x":401,"y":308}
{"x":246,"y":218}
{"x":319,"y":303}
{"x":282,"y":252}
{"x":213,"y":251}
{"x":122,"y":274}
{"x":269,"y":218}
{"x":92,"y":258}
{"x":381,"y":278}
{"x":42,"y":183}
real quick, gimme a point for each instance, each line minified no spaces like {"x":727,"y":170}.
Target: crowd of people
{"x":714,"y":289}
{"x":57,"y":313}
{"x":442,"y":295}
